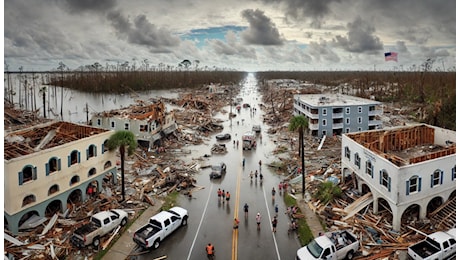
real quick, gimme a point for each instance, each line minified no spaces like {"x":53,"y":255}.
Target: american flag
{"x":391,"y":56}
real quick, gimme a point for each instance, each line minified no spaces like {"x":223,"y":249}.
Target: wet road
{"x":212,"y":221}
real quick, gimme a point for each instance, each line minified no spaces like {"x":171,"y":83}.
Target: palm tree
{"x":121,"y":140}
{"x":300,"y":123}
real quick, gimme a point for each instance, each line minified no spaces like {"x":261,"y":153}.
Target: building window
{"x":347,"y":121}
{"x":360,"y":120}
{"x":73,"y":158}
{"x":112,"y":124}
{"x":28,"y":174}
{"x":126,"y":126}
{"x":347,"y":110}
{"x":28,"y":200}
{"x":53,"y":165}
{"x":370,"y":168}
{"x":357,"y":160}
{"x":360,"y":109}
{"x":143,"y":128}
{"x":105,"y":146}
{"x":107,"y":164}
{"x":91,"y":151}
{"x":53,"y":189}
{"x":347,"y":130}
{"x":99,"y":122}
{"x":324,"y":122}
{"x":91,"y":172}
{"x":436,"y":178}
{"x":347,"y":152}
{"x":324,"y":112}
{"x":454,"y":173}
{"x":359,"y":129}
{"x":75,"y":179}
{"x":413,"y":185}
{"x":385,"y":179}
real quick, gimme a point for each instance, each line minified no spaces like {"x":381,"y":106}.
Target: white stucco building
{"x":407,"y":169}
{"x":50,"y":166}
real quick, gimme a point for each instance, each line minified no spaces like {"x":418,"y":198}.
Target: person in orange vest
{"x":210,"y":251}
{"x":219,"y":194}
{"x":227,"y":196}
{"x":235,"y":223}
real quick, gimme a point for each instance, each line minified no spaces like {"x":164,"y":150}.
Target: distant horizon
{"x":239,"y":35}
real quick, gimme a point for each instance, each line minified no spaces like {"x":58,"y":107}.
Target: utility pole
{"x":230,"y":114}
{"x":87,"y":119}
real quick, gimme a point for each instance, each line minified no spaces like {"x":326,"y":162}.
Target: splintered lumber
{"x":161,"y":257}
{"x":357,"y":206}
{"x":149,"y":200}
{"x":106,"y":243}
{"x":49,"y":225}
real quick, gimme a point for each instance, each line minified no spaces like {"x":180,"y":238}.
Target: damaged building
{"x":409,"y":170}
{"x":334,"y":114}
{"x":149,"y":123}
{"x":50,"y":167}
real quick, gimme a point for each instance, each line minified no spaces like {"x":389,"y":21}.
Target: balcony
{"x":375,"y":112}
{"x":337,"y":126}
{"x":337,"y":115}
{"x":375,"y":122}
{"x":313,"y":126}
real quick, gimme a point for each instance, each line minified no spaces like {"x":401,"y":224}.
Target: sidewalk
{"x":311,"y":217}
{"x":125,"y":244}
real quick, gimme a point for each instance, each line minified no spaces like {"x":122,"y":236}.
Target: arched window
{"x":53,"y":165}
{"x":105,"y":147}
{"x":413,"y":185}
{"x":385,"y":179}
{"x":91,"y":172}
{"x":73,"y":158}
{"x":28,"y":200}
{"x":28,"y":174}
{"x":436,"y":178}
{"x":107,"y":164}
{"x":75,"y":179}
{"x":347,"y":152}
{"x":53,"y":189}
{"x":370,"y":168}
{"x":357,"y":160}
{"x":91,"y":151}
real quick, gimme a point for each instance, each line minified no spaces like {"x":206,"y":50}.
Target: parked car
{"x":256,"y":128}
{"x":439,"y":245}
{"x":99,"y":225}
{"x":160,"y":226}
{"x":218,"y":170}
{"x":334,"y":245}
{"x":223,"y":137}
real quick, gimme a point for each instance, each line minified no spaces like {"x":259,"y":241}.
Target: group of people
{"x":223,"y":196}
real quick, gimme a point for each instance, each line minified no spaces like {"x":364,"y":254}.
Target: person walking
{"x":260,"y":165}
{"x":223,"y":196}
{"x":246,"y":210}
{"x":258,"y":219}
{"x":219,"y":194}
{"x":257,"y":173}
{"x":235,"y":223}
{"x":210,"y":251}
{"x":244,"y":162}
{"x":276,"y":210}
{"x":237,"y":143}
{"x":251,"y":175}
{"x":274,"y":223}
{"x":273,"y":193}
{"x":227,"y":196}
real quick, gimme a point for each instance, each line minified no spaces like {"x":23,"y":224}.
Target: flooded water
{"x":75,"y":102}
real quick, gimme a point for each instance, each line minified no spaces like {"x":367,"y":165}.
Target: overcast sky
{"x":250,"y":35}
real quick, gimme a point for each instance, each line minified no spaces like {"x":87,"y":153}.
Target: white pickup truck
{"x":160,"y":226}
{"x":334,"y":245}
{"x":99,"y":225}
{"x":439,"y":245}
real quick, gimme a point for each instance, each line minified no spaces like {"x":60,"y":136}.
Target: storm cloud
{"x":360,"y":38}
{"x":261,"y":31}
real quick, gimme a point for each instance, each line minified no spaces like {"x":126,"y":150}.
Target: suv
{"x":218,"y":170}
